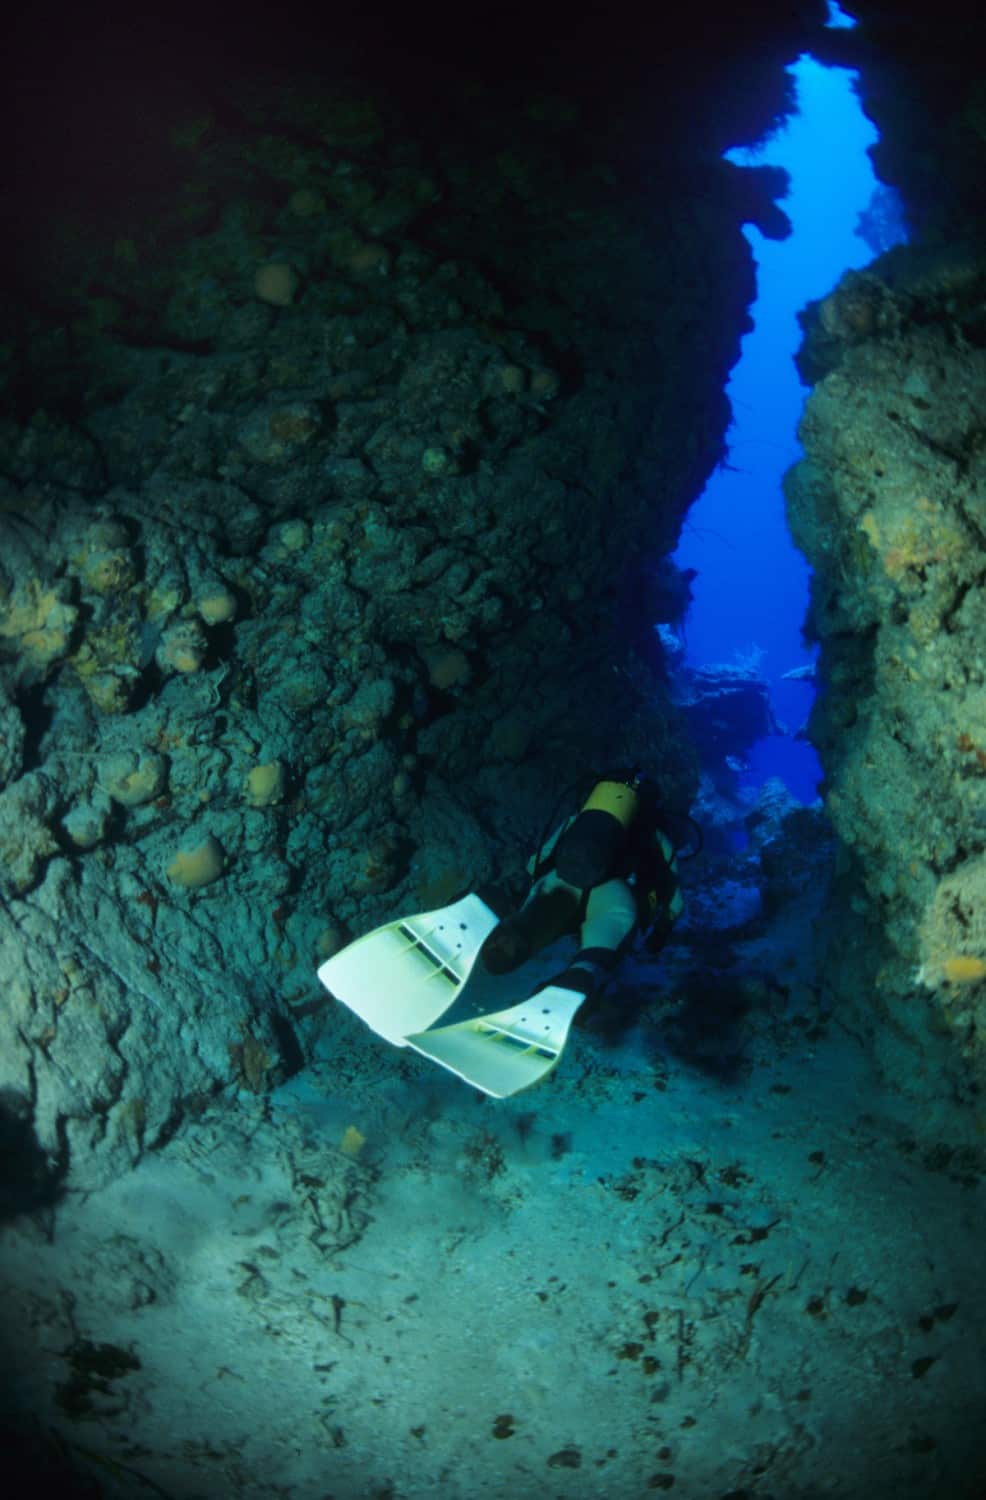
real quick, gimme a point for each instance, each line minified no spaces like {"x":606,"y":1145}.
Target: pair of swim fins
{"x":403,"y":977}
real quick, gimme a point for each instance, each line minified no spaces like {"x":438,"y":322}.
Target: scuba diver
{"x":608,"y":872}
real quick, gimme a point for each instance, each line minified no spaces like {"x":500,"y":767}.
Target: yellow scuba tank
{"x":619,"y":798}
{"x":587,"y":851}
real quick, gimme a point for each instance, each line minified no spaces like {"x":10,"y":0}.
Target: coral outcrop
{"x":347,"y":423}
{"x":889,"y":507}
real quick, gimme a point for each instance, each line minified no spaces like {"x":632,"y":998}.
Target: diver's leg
{"x":550,"y":911}
{"x":610,"y":918}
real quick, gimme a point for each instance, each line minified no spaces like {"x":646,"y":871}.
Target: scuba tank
{"x":589,"y":849}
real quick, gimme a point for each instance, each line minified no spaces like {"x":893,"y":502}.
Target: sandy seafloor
{"x":644,"y":1275}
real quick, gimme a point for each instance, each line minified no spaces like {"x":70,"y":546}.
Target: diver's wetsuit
{"x":640,"y":889}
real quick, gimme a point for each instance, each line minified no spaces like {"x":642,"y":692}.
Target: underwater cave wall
{"x":889,"y":505}
{"x":347,"y":427}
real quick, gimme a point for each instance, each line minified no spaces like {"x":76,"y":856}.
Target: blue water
{"x":751,"y":592}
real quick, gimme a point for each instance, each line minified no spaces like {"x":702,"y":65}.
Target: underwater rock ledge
{"x":888,"y":507}
{"x":343,"y":441}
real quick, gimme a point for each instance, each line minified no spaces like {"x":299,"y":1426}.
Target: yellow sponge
{"x":193,"y":868}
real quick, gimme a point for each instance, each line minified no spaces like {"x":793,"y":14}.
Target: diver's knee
{"x":610,"y":916}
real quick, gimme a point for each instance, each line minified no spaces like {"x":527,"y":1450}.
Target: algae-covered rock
{"x":362,"y":491}
{"x":27,"y":808}
{"x":12,"y":733}
{"x":37,"y":624}
{"x":183,"y":648}
{"x":888,"y":507}
{"x":953,"y":932}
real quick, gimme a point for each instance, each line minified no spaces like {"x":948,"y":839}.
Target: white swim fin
{"x":402,"y":977}
{"x":507,"y":1050}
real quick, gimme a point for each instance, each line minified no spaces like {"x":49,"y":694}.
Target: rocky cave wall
{"x":353,"y":399}
{"x":889,"y":506}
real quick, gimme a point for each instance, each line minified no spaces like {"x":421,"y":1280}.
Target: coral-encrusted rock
{"x":727,"y":707}
{"x":795,"y":857}
{"x":888,"y":506}
{"x":37,"y":621}
{"x":27,"y":808}
{"x":359,"y":480}
{"x":183,"y":648}
{"x":11,"y":738}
